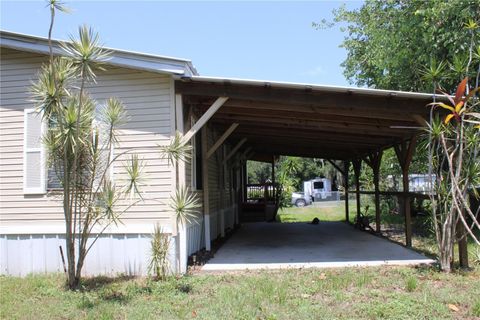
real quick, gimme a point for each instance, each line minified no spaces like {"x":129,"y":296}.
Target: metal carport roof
{"x":281,"y":118}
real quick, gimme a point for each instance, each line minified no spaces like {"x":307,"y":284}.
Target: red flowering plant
{"x":454,"y":162}
{"x":454,"y":157}
{"x":459,"y":105}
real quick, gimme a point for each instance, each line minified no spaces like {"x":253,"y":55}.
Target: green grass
{"x":307,"y":214}
{"x":352,"y":293}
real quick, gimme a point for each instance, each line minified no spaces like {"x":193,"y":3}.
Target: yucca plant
{"x":159,"y":265}
{"x":177,"y":150}
{"x":185,"y":205}
{"x":78,"y":140}
{"x":183,"y":202}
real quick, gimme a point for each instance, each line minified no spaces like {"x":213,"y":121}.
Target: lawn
{"x":335,"y":212}
{"x":351,"y":293}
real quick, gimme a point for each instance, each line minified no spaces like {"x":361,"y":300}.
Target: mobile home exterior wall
{"x":31,"y":225}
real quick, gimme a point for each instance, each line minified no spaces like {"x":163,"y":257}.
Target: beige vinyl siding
{"x":148,"y":99}
{"x":215,"y":167}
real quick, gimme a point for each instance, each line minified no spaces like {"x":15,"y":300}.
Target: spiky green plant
{"x":177,"y":150}
{"x":159,"y":264}
{"x":185,"y":204}
{"x":86,"y":52}
{"x":454,"y":160}
{"x":79,"y":140}
{"x":136,"y":178}
{"x":435,"y":72}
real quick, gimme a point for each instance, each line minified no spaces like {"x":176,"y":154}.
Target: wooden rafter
{"x":306,"y":133}
{"x":234,"y":150}
{"x":342,"y":171}
{"x":290,"y":96}
{"x":316,"y":125}
{"x":204,"y":118}
{"x":324,"y":116}
{"x":221,"y":140}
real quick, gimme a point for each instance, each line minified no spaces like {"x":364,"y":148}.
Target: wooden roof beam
{"x":388,"y":112}
{"x":220,"y":140}
{"x":295,"y":96}
{"x":204,"y":118}
{"x":292,"y":124}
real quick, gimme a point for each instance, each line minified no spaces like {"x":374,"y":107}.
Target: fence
{"x":260,"y":192}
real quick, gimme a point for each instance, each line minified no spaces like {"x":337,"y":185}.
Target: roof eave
{"x":309,"y":87}
{"x":120,"y":58}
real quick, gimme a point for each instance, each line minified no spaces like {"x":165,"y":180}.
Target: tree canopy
{"x":390,"y":43}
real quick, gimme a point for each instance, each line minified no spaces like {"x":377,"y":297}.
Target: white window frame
{"x":110,"y":172}
{"x":42,"y":189}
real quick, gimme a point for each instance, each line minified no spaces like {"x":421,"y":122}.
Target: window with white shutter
{"x":34,"y":153}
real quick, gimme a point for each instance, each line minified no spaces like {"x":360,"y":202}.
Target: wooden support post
{"x":462,"y":245}
{"x":376,"y":182}
{"x":374,"y":160}
{"x":346,"y":168}
{"x":407,"y":209}
{"x":223,"y":172}
{"x":206,"y":200}
{"x":404,"y":153}
{"x":182,"y":228}
{"x":238,"y":188}
{"x":273,"y":181}
{"x":357,"y":166}
{"x":244,"y":180}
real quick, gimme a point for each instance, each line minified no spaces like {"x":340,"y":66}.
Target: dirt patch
{"x":198,"y":259}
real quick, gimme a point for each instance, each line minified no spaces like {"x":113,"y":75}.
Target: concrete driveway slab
{"x":266,"y":245}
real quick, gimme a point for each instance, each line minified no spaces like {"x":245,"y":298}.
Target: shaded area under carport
{"x":302,"y":245}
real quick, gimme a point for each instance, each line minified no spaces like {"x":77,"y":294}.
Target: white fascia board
{"x":120,"y":58}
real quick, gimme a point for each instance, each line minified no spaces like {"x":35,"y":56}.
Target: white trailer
{"x":317,"y":189}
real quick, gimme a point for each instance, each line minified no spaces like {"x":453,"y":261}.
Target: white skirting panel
{"x":230,"y":217}
{"x":214,"y":230}
{"x":112,"y":254}
{"x":196,"y":230}
{"x":195,"y":237}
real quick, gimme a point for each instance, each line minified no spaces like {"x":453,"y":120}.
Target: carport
{"x":263,"y":119}
{"x":266,"y":245}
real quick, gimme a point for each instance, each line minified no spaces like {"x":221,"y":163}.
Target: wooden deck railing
{"x":260,"y":192}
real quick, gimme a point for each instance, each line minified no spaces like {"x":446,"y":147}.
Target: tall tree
{"x":79,"y":138}
{"x":429,"y":45}
{"x":389,"y":43}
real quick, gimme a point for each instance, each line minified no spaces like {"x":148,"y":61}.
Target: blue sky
{"x":253,"y":40}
